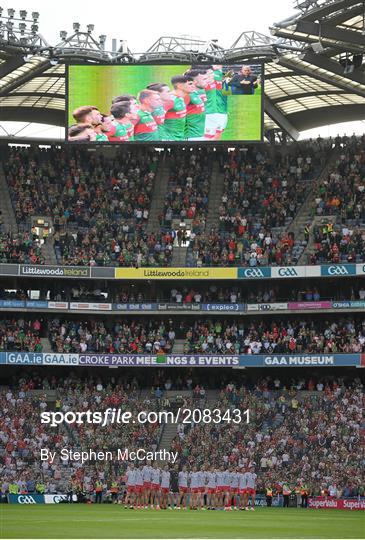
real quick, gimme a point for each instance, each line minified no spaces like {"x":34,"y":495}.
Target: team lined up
{"x":195,"y":109}
{"x":199,"y":488}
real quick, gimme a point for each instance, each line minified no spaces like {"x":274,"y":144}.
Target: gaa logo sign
{"x":253,"y":272}
{"x":287,"y":271}
{"x":337,"y":271}
{"x":26,"y":499}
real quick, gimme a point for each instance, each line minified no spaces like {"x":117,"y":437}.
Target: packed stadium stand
{"x":98,"y":221}
{"x":299,"y":427}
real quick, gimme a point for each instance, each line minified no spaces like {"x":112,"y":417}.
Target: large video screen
{"x":164,"y":103}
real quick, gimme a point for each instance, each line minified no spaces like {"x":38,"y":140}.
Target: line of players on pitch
{"x":195,"y":109}
{"x":204,"y":489}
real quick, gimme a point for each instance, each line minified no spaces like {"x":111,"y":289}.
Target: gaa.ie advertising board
{"x":181,"y":360}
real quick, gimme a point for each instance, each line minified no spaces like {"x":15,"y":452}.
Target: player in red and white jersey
{"x":242,"y":486}
{"x":138,"y":487}
{"x":195,"y":487}
{"x":234,"y":489}
{"x":211,"y":476}
{"x":147,"y":475}
{"x":220,"y":476}
{"x":165,"y":487}
{"x":155,"y":486}
{"x":183,"y":487}
{"x":227,"y":489}
{"x":250,"y":490}
{"x":130,"y":481}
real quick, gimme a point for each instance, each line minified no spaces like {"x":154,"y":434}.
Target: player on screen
{"x":221,"y":114}
{"x":87,"y":115}
{"x":146,"y":129}
{"x":81,"y":133}
{"x":250,"y":489}
{"x":124,"y":114}
{"x":159,"y":114}
{"x":195,"y":111}
{"x":91,"y":115}
{"x":210,"y":91}
{"x":175,"y":111}
{"x":124,"y":97}
{"x":183,"y":488}
{"x":129,"y":99}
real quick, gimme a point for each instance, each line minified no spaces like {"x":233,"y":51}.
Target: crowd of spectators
{"x":308,"y":431}
{"x":99,"y":206}
{"x":273,"y":337}
{"x":261,"y":196}
{"x":340,"y":201}
{"x":342,"y":192}
{"x":262,"y":249}
{"x":188,"y":189}
{"x":308,"y":428}
{"x":81,"y":188}
{"x":20,"y":248}
{"x":117,"y":245}
{"x":22,"y":435}
{"x":337,"y":244}
{"x":20,"y":335}
{"x":150,"y":337}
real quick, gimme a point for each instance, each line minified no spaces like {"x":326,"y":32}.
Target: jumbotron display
{"x":164,"y":103}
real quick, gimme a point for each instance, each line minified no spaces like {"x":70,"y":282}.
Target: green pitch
{"x":99,"y":522}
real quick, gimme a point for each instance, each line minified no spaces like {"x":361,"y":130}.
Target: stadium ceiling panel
{"x":314,"y":69}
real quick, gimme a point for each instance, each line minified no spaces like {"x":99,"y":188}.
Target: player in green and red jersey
{"x":222,"y":101}
{"x":195,"y":111}
{"x":146,"y":129}
{"x":211,"y":102}
{"x":81,"y":133}
{"x":175,"y":112}
{"x":124,"y":113}
{"x":130,"y":99}
{"x":160,"y":112}
{"x":124,"y":97}
{"x":204,"y":78}
{"x":91,"y":115}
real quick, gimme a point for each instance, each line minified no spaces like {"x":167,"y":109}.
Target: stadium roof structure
{"x":314,"y":69}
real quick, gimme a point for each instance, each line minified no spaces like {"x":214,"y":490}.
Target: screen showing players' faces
{"x":159,"y":103}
